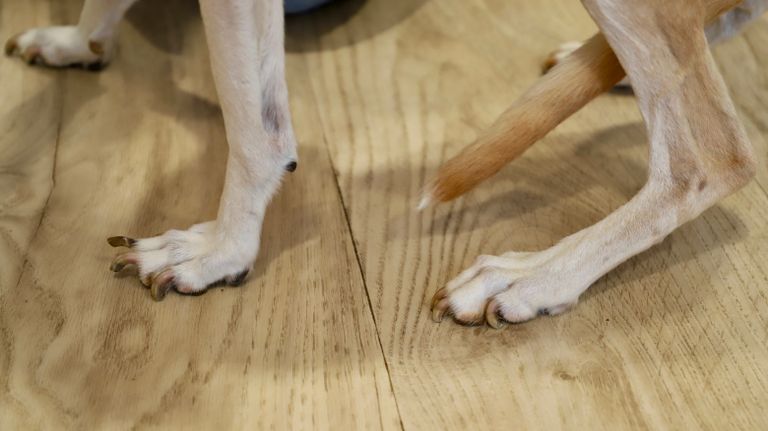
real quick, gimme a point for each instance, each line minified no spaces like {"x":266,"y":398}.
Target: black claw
{"x":290,"y":167}
{"x":121,"y":241}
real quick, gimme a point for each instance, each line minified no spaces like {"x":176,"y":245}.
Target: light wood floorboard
{"x":332,"y":331}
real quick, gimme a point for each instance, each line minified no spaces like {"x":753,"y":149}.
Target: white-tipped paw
{"x":57,"y":47}
{"x":514,"y":287}
{"x":188,"y":261}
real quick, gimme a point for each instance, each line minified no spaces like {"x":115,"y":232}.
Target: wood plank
{"x":142,"y":150}
{"x":29,"y":117}
{"x":675,"y":338}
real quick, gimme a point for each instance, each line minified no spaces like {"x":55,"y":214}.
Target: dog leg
{"x":89,"y":44}
{"x":590,"y":71}
{"x":699,"y":153}
{"x":245,"y":39}
{"x":735,"y":20}
{"x":723,"y":28}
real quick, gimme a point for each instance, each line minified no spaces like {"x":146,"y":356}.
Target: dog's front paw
{"x":514,"y":287}
{"x":57,"y":47}
{"x":188,"y":261}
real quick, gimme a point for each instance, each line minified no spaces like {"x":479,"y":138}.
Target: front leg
{"x":245,"y":39}
{"x":699,"y":153}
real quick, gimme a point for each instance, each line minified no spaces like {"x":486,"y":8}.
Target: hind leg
{"x":723,"y":28}
{"x":90,"y":43}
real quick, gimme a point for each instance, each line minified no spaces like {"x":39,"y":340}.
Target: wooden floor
{"x":333,"y":331}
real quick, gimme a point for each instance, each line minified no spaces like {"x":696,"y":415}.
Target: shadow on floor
{"x":304,"y":32}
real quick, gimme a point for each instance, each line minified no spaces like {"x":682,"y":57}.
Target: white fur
{"x":245,"y":39}
{"x":59,"y":46}
{"x":67,"y":45}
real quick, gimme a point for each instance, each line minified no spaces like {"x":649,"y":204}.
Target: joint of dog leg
{"x":291,"y":166}
{"x":743,"y":168}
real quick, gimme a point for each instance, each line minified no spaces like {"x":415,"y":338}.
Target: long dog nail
{"x":11,"y":45}
{"x":492,"y":315}
{"x":439,"y":295}
{"x":122,"y":260}
{"x":121,"y":241}
{"x":439,"y":310}
{"x":161,"y":285}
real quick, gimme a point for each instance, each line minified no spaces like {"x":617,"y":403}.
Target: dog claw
{"x":121,"y":241}
{"x":33,"y":55}
{"x":12,"y":45}
{"x":439,"y":295}
{"x":439,"y":310}
{"x":492,"y":315}
{"x":469,"y":319}
{"x":123,"y":260}
{"x":161,"y":285}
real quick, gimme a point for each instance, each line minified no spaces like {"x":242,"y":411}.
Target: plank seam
{"x":365,"y":283}
{"x":44,"y":209}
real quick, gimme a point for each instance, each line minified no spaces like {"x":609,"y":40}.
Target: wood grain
{"x":139,"y":149}
{"x":382,"y":91}
{"x":673,"y":339}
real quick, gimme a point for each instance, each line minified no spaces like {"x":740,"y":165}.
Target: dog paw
{"x":514,"y":287}
{"x":188,"y":261}
{"x":57,"y":47}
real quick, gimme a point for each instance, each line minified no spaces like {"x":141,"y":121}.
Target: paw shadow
{"x":165,"y":24}
{"x":545,"y":178}
{"x":542,"y":183}
{"x":605,"y":160}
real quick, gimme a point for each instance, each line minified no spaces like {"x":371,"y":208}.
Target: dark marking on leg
{"x":271,"y":116}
